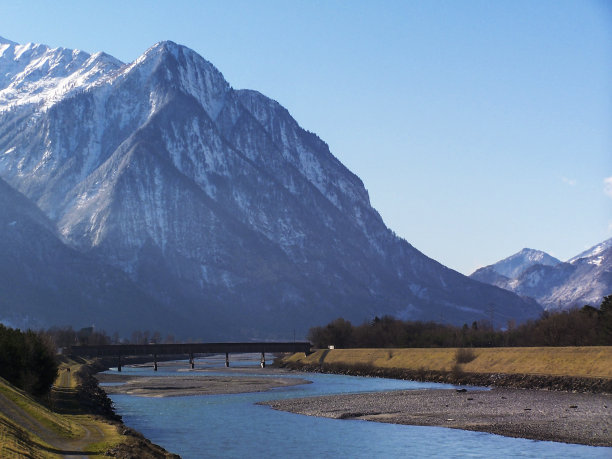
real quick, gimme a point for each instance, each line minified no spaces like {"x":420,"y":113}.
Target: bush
{"x":464,"y":355}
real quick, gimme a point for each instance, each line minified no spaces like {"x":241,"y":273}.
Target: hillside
{"x":43,"y":281}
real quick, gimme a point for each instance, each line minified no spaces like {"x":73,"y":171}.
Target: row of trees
{"x":27,"y":360}
{"x":587,"y":326}
{"x":66,"y":336}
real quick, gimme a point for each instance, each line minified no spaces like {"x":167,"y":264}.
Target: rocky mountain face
{"x":584,"y":279}
{"x":43,"y":281}
{"x":214,"y":201}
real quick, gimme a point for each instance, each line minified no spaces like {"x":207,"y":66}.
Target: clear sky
{"x":478,"y":127}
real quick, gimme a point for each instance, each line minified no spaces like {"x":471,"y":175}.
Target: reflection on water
{"x":233,"y":426}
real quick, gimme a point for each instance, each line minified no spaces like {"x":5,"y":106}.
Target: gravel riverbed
{"x":534,"y":414}
{"x":172,"y":386}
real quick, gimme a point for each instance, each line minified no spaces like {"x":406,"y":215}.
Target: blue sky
{"x":478,"y":127}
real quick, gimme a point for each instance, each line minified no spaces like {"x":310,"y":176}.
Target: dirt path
{"x":16,"y":414}
{"x":63,"y":393}
{"x":58,"y":442}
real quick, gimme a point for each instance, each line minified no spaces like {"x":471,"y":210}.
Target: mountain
{"x":515,"y":264}
{"x":502,"y":272}
{"x":596,"y":255}
{"x":44,"y":282}
{"x":584,"y":279}
{"x":214,"y":201}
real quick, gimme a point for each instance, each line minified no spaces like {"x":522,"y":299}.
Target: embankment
{"x":76,"y":419}
{"x":579,"y":369}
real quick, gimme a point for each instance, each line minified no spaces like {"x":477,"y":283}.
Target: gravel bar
{"x":174,"y":386}
{"x":534,"y":414}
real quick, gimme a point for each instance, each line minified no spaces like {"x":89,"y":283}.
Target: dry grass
{"x":590,"y":362}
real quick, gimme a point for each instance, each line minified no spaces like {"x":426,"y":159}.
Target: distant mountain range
{"x":211,"y":206}
{"x":584,"y":279}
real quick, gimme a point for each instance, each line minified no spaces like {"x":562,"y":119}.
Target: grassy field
{"x":589,"y":362}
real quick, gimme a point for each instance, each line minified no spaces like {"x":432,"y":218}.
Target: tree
{"x":605,"y":320}
{"x":27,"y":360}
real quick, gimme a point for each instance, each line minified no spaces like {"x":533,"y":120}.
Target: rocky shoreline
{"x":457,"y":377}
{"x":92,"y":399}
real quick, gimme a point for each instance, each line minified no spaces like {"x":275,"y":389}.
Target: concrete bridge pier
{"x":227,"y":360}
{"x":191,"y":361}
{"x":262,"y":364}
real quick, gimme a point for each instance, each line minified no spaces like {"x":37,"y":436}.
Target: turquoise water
{"x":232,"y":426}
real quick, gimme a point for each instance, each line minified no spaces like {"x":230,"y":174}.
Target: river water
{"x":233,"y":426}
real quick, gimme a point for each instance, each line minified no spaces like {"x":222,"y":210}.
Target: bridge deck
{"x":187,"y":348}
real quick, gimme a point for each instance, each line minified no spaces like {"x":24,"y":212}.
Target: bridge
{"x":190,"y":349}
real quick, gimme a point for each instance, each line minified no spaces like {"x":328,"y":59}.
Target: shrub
{"x":464,"y":355}
{"x":456,"y":369}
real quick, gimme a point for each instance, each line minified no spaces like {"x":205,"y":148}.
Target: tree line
{"x":587,"y":326}
{"x":27,"y":360}
{"x":64,"y":337}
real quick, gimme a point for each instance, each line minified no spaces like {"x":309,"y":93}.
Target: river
{"x":233,"y":426}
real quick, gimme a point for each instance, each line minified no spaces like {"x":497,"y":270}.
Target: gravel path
{"x":535,"y":414}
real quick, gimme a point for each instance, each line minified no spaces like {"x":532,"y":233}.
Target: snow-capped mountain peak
{"x":584,"y":279}
{"x":514,"y":265}
{"x":215,"y":201}
{"x":594,"y":251}
{"x":35,"y":74}
{"x":179,"y":67}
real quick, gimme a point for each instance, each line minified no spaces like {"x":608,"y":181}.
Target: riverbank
{"x":75,"y":420}
{"x":538,"y":415}
{"x":577,"y":369}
